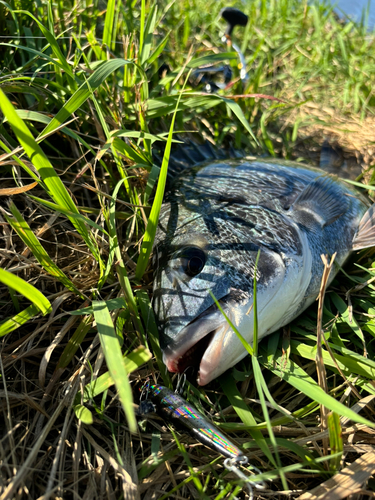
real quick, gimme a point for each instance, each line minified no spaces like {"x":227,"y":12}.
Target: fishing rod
{"x":205,"y":74}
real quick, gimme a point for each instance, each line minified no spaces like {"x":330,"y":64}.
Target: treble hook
{"x":145,"y":389}
{"x":233,"y":466}
{"x":181,"y":381}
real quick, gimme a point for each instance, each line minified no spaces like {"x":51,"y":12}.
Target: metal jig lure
{"x":173,"y":407}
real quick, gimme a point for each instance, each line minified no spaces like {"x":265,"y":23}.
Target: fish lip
{"x":208,"y":366}
{"x":204,"y":325}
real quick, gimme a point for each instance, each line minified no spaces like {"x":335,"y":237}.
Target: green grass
{"x":83,"y":108}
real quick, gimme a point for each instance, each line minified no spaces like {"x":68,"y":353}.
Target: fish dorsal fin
{"x":319,"y":204}
{"x":365,"y":236}
{"x":189,"y":154}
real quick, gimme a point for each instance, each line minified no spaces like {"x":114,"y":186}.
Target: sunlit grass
{"x":84,"y":110}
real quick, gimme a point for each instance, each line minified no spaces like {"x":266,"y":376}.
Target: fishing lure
{"x":173,"y":407}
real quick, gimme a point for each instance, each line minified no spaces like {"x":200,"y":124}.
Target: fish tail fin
{"x":365,"y":237}
{"x":189,"y":154}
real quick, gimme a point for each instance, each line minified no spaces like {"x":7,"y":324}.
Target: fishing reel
{"x":215,"y":77}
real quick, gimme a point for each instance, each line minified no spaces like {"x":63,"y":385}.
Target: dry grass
{"x":46,"y":449}
{"x":353,"y":136}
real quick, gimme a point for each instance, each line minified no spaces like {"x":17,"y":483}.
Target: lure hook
{"x":233,"y":465}
{"x":181,"y":381}
{"x":145,"y":389}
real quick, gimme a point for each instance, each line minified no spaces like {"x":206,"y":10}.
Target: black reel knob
{"x":234,"y":17}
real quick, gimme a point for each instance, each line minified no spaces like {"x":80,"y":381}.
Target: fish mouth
{"x":190,"y":358}
{"x":199,"y":345}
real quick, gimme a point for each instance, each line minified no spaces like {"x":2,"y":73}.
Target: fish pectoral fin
{"x":365,"y":237}
{"x":319,"y":204}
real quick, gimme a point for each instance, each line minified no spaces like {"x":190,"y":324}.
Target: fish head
{"x":187,"y":268}
{"x":193,"y":331}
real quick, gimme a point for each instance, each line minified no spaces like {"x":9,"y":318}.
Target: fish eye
{"x":192,"y":260}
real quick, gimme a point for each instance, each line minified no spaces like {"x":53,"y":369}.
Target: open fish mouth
{"x":199,"y":345}
{"x":190,"y":358}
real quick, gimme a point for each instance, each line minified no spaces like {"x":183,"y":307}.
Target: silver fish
{"x":216,"y":217}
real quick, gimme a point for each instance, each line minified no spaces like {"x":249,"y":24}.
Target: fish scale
{"x":267,"y":228}
{"x":216,"y":217}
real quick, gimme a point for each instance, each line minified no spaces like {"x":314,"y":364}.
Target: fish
{"x":221,"y":211}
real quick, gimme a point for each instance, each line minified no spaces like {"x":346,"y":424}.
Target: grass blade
{"x":237,"y":111}
{"x":130,"y":152}
{"x":50,"y":37}
{"x":52,"y":181}
{"x":113,"y":356}
{"x":70,"y":214}
{"x":111,"y":304}
{"x":152,"y":330}
{"x":298,"y":378}
{"x":259,"y":382}
{"x":108,"y":25}
{"x":27,"y":290}
{"x":18,"y":320}
{"x":132,"y":362}
{"x":335,"y":440}
{"x":148,"y":32}
{"x":212,"y":59}
{"x":240,"y":407}
{"x":28,"y":237}
{"x":244,"y":342}
{"x":75,"y":342}
{"x":83,"y":414}
{"x":255,"y":306}
{"x":36,"y":53}
{"x":148,"y":239}
{"x":84,"y":91}
{"x":121,"y":271}
{"x":159,"y":49}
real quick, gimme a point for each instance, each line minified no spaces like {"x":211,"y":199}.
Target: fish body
{"x":217,"y":216}
{"x":173,"y":407}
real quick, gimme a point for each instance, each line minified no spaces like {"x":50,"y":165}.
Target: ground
{"x":85,"y":107}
